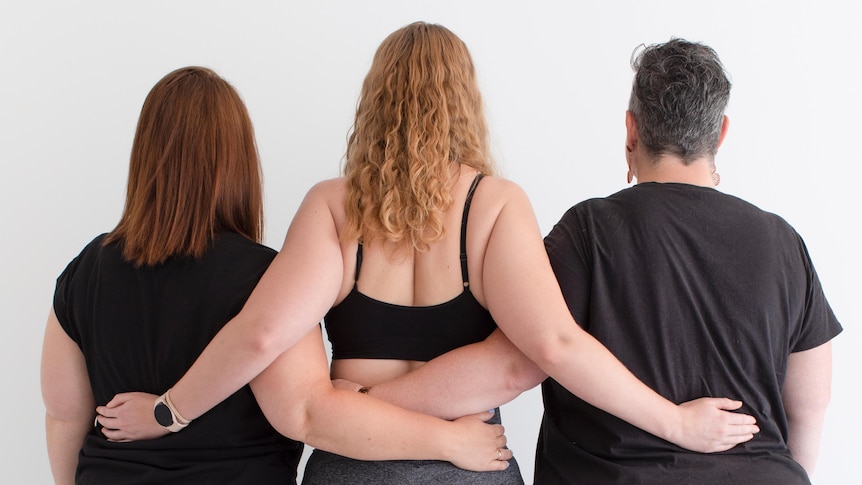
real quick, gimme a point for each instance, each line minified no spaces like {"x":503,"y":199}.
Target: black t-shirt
{"x":699,"y":294}
{"x":140,"y":329}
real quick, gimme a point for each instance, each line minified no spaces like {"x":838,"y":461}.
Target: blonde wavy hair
{"x":419,"y":113}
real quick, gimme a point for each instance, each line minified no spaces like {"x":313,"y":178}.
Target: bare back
{"x":420,"y":279}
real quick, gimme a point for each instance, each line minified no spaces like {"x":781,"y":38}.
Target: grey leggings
{"x":325,"y":468}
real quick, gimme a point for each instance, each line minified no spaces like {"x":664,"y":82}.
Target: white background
{"x":555,"y":76}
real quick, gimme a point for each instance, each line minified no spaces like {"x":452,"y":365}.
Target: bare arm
{"x":466,"y":380}
{"x":806,"y":394}
{"x":293,"y":295}
{"x":526,"y":302}
{"x":68,"y":398}
{"x":298,"y":399}
{"x":297,"y":289}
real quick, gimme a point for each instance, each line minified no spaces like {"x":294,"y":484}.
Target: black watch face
{"x":163,"y":415}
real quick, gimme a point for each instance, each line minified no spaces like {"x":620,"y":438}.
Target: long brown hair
{"x":194,"y":170}
{"x":419,"y":111}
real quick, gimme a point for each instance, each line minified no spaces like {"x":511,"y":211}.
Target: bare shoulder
{"x":327,"y":197}
{"x":328,"y":189}
{"x":497,"y":192}
{"x":328,"y":192}
{"x":503,"y":187}
{"x":500,"y":206}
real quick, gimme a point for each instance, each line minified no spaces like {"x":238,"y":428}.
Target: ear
{"x":725,"y":124}
{"x":631,"y":132}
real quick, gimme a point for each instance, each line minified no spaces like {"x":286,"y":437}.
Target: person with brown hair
{"x":419,"y":249}
{"x":140,"y":303}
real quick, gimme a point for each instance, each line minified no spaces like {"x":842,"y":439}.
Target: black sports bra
{"x":361,"y":327}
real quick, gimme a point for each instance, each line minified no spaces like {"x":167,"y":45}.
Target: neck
{"x":671,"y":169}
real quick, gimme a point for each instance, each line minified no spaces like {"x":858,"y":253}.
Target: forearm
{"x":296,"y":396}
{"x":232,"y":359}
{"x":806,"y":395}
{"x":587,"y":369}
{"x":364,"y":428}
{"x":69,"y":402}
{"x":804,"y":439}
{"x":64,"y":438}
{"x":464,"y":381}
{"x":294,"y":294}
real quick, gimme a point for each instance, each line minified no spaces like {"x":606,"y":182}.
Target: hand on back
{"x":708,"y":425}
{"x":479,"y":446}
{"x":129,"y":417}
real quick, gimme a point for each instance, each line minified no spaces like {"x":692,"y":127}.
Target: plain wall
{"x":555,"y":76}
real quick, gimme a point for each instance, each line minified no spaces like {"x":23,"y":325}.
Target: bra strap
{"x":358,"y":264}
{"x":464,"y":275}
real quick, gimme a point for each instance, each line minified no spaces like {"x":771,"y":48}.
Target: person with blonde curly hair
{"x":417,"y":251}
{"x":139,"y":304}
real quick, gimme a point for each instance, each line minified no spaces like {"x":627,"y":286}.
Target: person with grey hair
{"x":696,"y":291}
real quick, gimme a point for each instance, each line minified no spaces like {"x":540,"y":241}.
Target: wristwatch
{"x":167,"y":415}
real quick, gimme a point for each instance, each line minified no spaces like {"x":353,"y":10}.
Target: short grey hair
{"x":679,"y":95}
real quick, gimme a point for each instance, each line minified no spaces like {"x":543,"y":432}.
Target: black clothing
{"x":699,"y":294}
{"x":365,"y":328}
{"x":361,"y":327}
{"x":140,"y":329}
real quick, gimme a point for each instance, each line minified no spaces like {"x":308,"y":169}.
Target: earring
{"x":629,"y":177}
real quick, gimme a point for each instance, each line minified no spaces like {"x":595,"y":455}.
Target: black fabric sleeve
{"x":64,"y":292}
{"x":569,"y":258}
{"x":819,"y":324}
{"x":62,"y":297}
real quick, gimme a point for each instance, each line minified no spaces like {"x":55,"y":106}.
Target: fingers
{"x":740,"y":419}
{"x":115,"y":435}
{"x":106,"y":426}
{"x":119,"y":399}
{"x":741,"y":434}
{"x":106,"y":412}
{"x":746,"y":422}
{"x":716,"y":425}
{"x":501,"y":441}
{"x":730,"y":443}
{"x":747,"y":427}
{"x":484,"y":415}
{"x":107,"y":422}
{"x":500,"y":460}
{"x":727,"y":404}
{"x":736,"y":431}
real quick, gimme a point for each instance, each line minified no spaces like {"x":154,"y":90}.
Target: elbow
{"x":292,"y":426}
{"x":69,"y":408}
{"x":293,"y":410}
{"x":522,"y":375}
{"x":263,"y":343}
{"x":69,"y":416}
{"x":552,"y":351}
{"x":811,"y":411}
{"x":289,"y":417}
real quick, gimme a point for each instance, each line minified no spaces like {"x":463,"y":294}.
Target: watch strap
{"x":178,"y":422}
